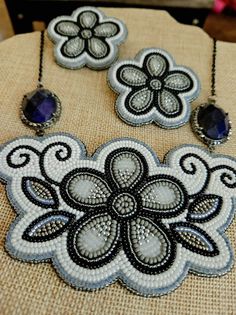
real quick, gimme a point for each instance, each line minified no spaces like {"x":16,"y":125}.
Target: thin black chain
{"x":213,"y":69}
{"x":41,"y":59}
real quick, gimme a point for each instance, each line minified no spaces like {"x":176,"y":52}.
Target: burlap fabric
{"x":88,"y":113}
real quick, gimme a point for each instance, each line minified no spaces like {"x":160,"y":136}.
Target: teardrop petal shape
{"x":94,"y":240}
{"x":169,"y":104}
{"x":156,"y":64}
{"x":165,"y":195}
{"x":149,"y":246}
{"x":48,"y":226}
{"x":67,"y":28}
{"x":195,"y":239}
{"x":88,"y":19}
{"x":73,"y":47}
{"x":131,"y":76}
{"x":178,"y":81}
{"x":40,"y":192}
{"x":85,"y":187}
{"x":98,"y":48}
{"x":204,"y":208}
{"x":141,"y":100}
{"x":107,"y":29}
{"x":125,"y":167}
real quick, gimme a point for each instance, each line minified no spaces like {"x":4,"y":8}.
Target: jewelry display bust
{"x":89,"y":115}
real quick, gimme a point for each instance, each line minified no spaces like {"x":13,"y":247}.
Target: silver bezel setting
{"x":198,"y":130}
{"x":40,"y":127}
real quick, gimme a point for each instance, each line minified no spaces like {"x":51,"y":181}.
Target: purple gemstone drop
{"x":214,"y":121}
{"x":39,"y":106}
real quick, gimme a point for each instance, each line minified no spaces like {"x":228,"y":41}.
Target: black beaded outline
{"x":126,"y":242}
{"x":98,"y":261}
{"x":209,"y":171}
{"x":94,"y":57}
{"x":222,"y":227}
{"x":25,"y":155}
{"x":155,"y":102}
{"x":60,"y":231}
{"x":206,"y":216}
{"x":108,"y":167}
{"x":46,"y":185}
{"x":88,"y":11}
{"x":223,"y":176}
{"x":164,"y":213}
{"x":174,"y":91}
{"x":189,"y":246}
{"x":66,"y":21}
{"x":146,"y":68}
{"x":170,"y":115}
{"x":65,"y":192}
{"x":136,"y":112}
{"x":166,"y":73}
{"x":194,"y":169}
{"x":57,"y":155}
{"x":134,"y":89}
{"x":120,"y":80}
{"x":81,"y":28}
{"x":41,"y":156}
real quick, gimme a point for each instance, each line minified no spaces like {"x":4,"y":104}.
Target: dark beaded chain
{"x":212,"y":98}
{"x":41,"y":108}
{"x":41,"y":60}
{"x":213,"y":70}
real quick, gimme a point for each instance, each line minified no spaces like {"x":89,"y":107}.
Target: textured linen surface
{"x":88,"y":113}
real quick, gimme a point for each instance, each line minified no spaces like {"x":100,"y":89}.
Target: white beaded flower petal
{"x":152,"y":88}
{"x":120,"y":214}
{"x":86,"y":38}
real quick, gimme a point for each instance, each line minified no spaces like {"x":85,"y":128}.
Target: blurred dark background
{"x":216,"y":17}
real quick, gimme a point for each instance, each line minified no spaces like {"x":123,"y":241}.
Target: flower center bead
{"x":124,"y":205}
{"x":156,"y":84}
{"x":86,"y":34}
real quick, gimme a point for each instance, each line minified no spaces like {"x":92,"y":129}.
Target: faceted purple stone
{"x":39,"y":106}
{"x":214,"y":121}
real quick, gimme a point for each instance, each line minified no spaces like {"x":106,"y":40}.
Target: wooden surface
{"x":165,"y":3}
{"x":158,"y":3}
{"x":6,"y":30}
{"x":219,"y":26}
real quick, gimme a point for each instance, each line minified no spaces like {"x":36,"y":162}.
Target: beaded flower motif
{"x":88,"y":38}
{"x":152,"y":88}
{"x":119,"y":214}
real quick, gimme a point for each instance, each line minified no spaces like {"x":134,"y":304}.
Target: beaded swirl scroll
{"x":120,"y":214}
{"x":152,"y":88}
{"x":87,"y":38}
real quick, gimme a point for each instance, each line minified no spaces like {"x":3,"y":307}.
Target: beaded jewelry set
{"x":121,"y":214}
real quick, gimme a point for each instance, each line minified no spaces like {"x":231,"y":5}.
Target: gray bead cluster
{"x":151,"y":200}
{"x":142,"y":232}
{"x":96,"y":237}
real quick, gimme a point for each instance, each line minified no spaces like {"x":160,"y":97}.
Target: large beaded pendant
{"x":211,"y":124}
{"x":40,"y":109}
